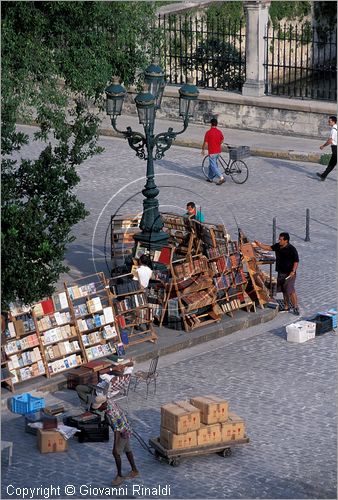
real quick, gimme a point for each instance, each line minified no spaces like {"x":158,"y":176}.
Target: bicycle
{"x":235,"y":167}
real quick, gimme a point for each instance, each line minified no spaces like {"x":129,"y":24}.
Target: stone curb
{"x":267,"y":153}
{"x":190,"y":143}
{"x":144,"y":352}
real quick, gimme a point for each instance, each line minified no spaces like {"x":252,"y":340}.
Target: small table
{"x":9,"y":445}
{"x":270,"y":262}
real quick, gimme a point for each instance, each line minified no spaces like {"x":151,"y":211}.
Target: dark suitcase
{"x":91,"y":428}
{"x":81,"y":376}
{"x":93,"y":433}
{"x":88,"y":417}
{"x":49,"y":422}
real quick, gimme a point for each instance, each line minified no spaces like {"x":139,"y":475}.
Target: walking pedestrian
{"x":332,"y":140}
{"x":213,"y":139}
{"x":193,"y":213}
{"x":287,"y":260}
{"x":119,"y":423}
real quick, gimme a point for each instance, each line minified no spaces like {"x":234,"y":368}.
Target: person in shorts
{"x":287,"y":261}
{"x":119,"y":423}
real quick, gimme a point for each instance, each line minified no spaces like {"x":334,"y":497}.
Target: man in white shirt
{"x":144,"y":271}
{"x":332,"y":140}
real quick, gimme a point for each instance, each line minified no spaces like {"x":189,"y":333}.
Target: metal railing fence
{"x":301,"y":62}
{"x":213,"y":52}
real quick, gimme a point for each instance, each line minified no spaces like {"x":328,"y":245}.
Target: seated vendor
{"x":97,"y":394}
{"x":193,"y":213}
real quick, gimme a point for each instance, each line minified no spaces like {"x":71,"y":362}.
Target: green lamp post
{"x":148,"y":146}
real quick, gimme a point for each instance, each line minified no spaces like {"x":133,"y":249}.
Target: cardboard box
{"x":172,"y":441}
{"x":209,"y":434}
{"x":213,"y":409}
{"x":51,"y":441}
{"x":233,"y":428}
{"x":180,"y":417}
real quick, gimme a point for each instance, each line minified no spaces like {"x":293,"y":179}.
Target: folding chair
{"x":119,"y":388}
{"x":147,"y":377}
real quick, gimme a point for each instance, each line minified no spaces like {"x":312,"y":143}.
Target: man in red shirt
{"x":213,"y":138}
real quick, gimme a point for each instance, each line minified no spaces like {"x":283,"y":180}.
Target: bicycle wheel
{"x":239,"y":171}
{"x":221,"y":163}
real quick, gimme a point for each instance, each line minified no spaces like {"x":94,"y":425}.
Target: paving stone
{"x":286,"y":392}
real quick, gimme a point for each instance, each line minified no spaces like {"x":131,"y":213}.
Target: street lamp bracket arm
{"x":164,"y":140}
{"x":125,"y":133}
{"x":137,"y":142}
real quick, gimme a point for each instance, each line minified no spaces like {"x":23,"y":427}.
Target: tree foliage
{"x":224,"y":70}
{"x":57,"y":58}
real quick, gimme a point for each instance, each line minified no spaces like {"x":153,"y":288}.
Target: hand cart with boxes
{"x":200,"y":426}
{"x":173,"y":457}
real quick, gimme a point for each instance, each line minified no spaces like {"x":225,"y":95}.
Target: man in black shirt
{"x":286,"y":266}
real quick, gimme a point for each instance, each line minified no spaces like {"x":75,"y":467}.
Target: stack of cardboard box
{"x":202,"y":421}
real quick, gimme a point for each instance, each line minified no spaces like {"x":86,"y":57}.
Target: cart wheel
{"x":225,"y":453}
{"x":174,"y":462}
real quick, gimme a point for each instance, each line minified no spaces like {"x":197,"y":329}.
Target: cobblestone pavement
{"x":113,"y":181}
{"x":285,"y":391}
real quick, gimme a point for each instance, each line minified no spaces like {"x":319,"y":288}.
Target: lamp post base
{"x":152,"y":240}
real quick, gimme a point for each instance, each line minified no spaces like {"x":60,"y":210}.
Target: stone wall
{"x":268,"y":114}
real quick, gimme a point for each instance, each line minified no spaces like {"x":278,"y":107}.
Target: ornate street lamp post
{"x":150,"y":147}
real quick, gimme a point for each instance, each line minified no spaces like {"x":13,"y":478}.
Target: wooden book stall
{"x":134,"y":316}
{"x":91,"y":307}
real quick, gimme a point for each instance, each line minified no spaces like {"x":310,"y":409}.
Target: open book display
{"x":186,"y":295}
{"x":196,"y":279}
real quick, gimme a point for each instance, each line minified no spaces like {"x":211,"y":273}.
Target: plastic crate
{"x":331,"y":313}
{"x":323,"y":324}
{"x":26,"y":403}
{"x":31,"y":418}
{"x":301,"y":331}
{"x":239,"y":153}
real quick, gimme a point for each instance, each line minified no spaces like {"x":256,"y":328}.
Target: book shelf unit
{"x":123,"y":229}
{"x":133,"y":313}
{"x":61,"y":348}
{"x":229,"y":278}
{"x":258,"y":291}
{"x":22,"y":347}
{"x":157,"y":294}
{"x":192,"y":281}
{"x":181,"y":232}
{"x":91,"y":307}
{"x":6,"y":375}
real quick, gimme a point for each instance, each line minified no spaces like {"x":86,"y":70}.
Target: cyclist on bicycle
{"x":213,"y":139}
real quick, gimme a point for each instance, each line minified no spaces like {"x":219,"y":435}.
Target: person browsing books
{"x":287,"y":261}
{"x":144,"y":271}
